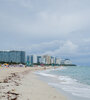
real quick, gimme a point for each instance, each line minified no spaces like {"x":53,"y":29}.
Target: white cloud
{"x":46,"y":20}
{"x":65,"y":48}
{"x":56,"y":47}
{"x":87,"y":40}
{"x":69,"y":47}
{"x":24,"y":3}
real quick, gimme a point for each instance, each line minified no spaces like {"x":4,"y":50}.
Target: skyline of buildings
{"x":46,"y":60}
{"x":21,"y":57}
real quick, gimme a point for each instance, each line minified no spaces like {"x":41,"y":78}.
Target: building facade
{"x":43,"y":60}
{"x":33,"y":59}
{"x":12,"y":56}
{"x":58,"y":61}
{"x":48,"y":59}
{"x":28,"y":60}
{"x":39,"y":59}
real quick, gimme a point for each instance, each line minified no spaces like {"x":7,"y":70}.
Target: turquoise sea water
{"x":75,"y":80}
{"x":80,"y":73}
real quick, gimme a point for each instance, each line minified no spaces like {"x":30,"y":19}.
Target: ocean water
{"x":74,"y":80}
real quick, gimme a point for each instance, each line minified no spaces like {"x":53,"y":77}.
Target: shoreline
{"x":23,"y":84}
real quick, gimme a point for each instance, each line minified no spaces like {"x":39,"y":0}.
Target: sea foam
{"x":66,"y":83}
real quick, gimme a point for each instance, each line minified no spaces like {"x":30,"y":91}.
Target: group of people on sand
{"x":13,"y":65}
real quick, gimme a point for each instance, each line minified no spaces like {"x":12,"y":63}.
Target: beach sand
{"x":23,"y":84}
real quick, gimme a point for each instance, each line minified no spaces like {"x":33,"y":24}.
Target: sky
{"x":59,"y":28}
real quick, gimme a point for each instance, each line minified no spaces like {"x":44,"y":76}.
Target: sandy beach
{"x":22,"y":84}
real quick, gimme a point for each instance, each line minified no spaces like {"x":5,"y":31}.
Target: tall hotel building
{"x":12,"y":56}
{"x":32,"y":59}
{"x":48,"y":59}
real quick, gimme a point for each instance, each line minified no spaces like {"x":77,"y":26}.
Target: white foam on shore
{"x":73,"y":87}
{"x":68,"y":84}
{"x":45,"y":74}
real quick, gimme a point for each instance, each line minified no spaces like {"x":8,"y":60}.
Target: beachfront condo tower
{"x":12,"y":57}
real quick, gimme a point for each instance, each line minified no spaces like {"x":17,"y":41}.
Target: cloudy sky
{"x":57,"y":27}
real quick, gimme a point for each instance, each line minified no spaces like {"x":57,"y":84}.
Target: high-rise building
{"x":48,"y":59}
{"x":12,"y":56}
{"x":52,"y":60}
{"x":33,"y":59}
{"x":39,"y":59}
{"x":43,"y":60}
{"x":4,"y":56}
{"x":58,"y":61}
{"x":28,"y":60}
